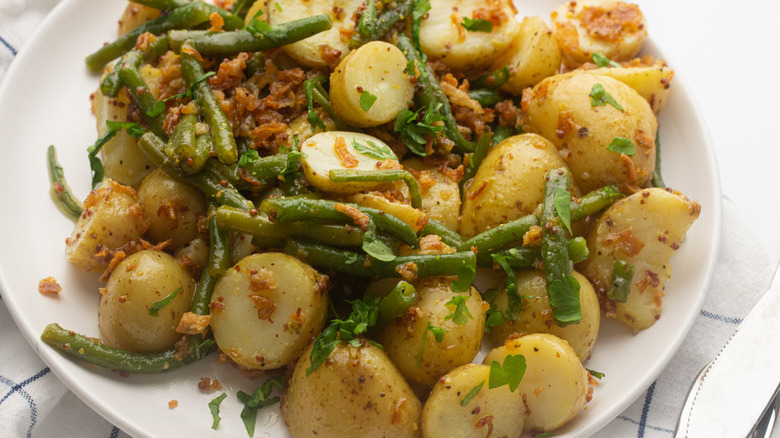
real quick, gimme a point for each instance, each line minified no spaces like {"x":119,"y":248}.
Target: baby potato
{"x":172,"y":207}
{"x":436,"y":307}
{"x":495,"y":410}
{"x":125,"y":315}
{"x":376,"y":69}
{"x":258,"y":7}
{"x":135,"y":15}
{"x":111,"y":218}
{"x":122,"y":159}
{"x":561,"y":108}
{"x":536,"y":314}
{"x":644,"y":230}
{"x":301,"y":127}
{"x":509,"y":183}
{"x":443,"y":36}
{"x":342,"y":150}
{"x":324,"y":49}
{"x":651,"y":82}
{"x":266,"y":308}
{"x":439,"y":191}
{"x":356,"y":393}
{"x":555,"y":384}
{"x":614,"y":28}
{"x":532,"y":56}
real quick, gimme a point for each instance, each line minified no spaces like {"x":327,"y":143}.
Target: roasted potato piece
{"x":493,"y":410}
{"x":440,"y":192}
{"x":651,"y":82}
{"x":643,"y":230}
{"x":135,"y":15}
{"x":111,"y":218}
{"x":536,"y":314}
{"x":614,"y":28}
{"x":555,"y":384}
{"x":509,"y":184}
{"x":356,"y":393}
{"x":266,"y":308}
{"x":532,"y":56}
{"x":125,"y":315}
{"x":375,"y":70}
{"x":571,"y":111}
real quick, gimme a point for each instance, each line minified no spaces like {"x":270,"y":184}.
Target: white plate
{"x":44,"y":99}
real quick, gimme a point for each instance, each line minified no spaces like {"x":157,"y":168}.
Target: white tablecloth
{"x":33,"y":402}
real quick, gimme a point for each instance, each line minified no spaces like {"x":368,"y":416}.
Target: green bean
{"x":60,"y":191}
{"x":396,"y":303}
{"x":213,"y":44}
{"x":382,"y":25}
{"x":241,"y":7}
{"x":265,"y":230}
{"x":132,"y":79}
{"x":448,"y":236}
{"x":111,"y":84}
{"x":181,"y":146}
{"x":486,"y":97}
{"x":302,"y":209}
{"x":357,"y":264}
{"x":562,"y":288}
{"x":347,"y":175}
{"x":620,"y":286}
{"x":255,"y":64}
{"x":657,"y":180}
{"x":501,"y":133}
{"x":524,"y":257}
{"x":484,"y":145}
{"x":501,"y":235}
{"x":219,"y":249}
{"x":201,"y":153}
{"x":164,"y":5}
{"x":493,"y":79}
{"x":368,"y":19}
{"x":210,"y":183}
{"x":429,"y":92}
{"x":594,"y":201}
{"x":221,"y":130}
{"x":186,"y":16}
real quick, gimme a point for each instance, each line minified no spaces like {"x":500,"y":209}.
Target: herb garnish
{"x":413,"y":130}
{"x":374,"y":150}
{"x":133,"y":129}
{"x":597,"y":374}
{"x":562,"y":204}
{"x":461,"y":314}
{"x":600,"y":97}
{"x":259,"y":399}
{"x":214,"y":408}
{"x":154,"y":309}
{"x":438,"y":333}
{"x":474,"y":391}
{"x":366,"y":100}
{"x":419,"y":9}
{"x":602,"y":61}
{"x":622,"y":145}
{"x":477,"y":25}
{"x":511,"y":373}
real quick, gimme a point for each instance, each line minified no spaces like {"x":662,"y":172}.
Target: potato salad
{"x":403,"y":218}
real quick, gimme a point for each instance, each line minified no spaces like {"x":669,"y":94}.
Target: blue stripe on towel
{"x":10,"y":47}
{"x":17,"y":388}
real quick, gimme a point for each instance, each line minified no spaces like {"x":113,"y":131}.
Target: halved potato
{"x":651,"y":82}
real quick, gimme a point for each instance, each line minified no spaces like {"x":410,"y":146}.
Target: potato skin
{"x":403,"y":338}
{"x":496,"y":409}
{"x":536,"y":314}
{"x":356,"y":393}
{"x":266,"y":308}
{"x":111,"y":218}
{"x":532,"y":56}
{"x":135,"y":284}
{"x":555,"y":384}
{"x":172,"y":207}
{"x":509,"y":184}
{"x":559,"y":108}
{"x":440,"y":193}
{"x":644,"y":229}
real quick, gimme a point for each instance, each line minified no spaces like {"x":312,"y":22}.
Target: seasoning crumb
{"x":49,"y":286}
{"x":207,"y":384}
{"x":173,"y":404}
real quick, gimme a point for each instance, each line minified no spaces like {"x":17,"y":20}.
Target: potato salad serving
{"x":401,"y":217}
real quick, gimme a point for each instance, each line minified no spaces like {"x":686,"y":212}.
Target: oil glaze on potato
{"x":111,"y":218}
{"x":439,"y":191}
{"x":555,"y":384}
{"x":442,"y":35}
{"x":139,"y":281}
{"x":614,"y":28}
{"x":509,"y":184}
{"x":495,"y":409}
{"x":532,"y":56}
{"x":560,"y":108}
{"x":377,"y":68}
{"x":356,"y":393}
{"x":644,"y":229}
{"x":403,"y":338}
{"x":172,"y":207}
{"x":266,"y":309}
{"x":536,"y":314}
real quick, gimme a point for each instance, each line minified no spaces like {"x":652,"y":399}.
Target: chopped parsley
{"x":564,"y":298}
{"x":133,"y":129}
{"x":474,"y":391}
{"x":374,"y":246}
{"x":597,"y":374}
{"x":465,"y":276}
{"x":438,"y":333}
{"x":461,"y":314}
{"x":511,"y":373}
{"x":622,"y":145}
{"x":250,"y":156}
{"x":373,"y":150}
{"x":620,"y":286}
{"x":366,"y":100}
{"x":600,"y":97}
{"x":419,"y":9}
{"x":602,"y":61}
{"x":477,"y":25}
{"x":259,"y":399}
{"x":514,"y":303}
{"x":413,"y":130}
{"x":493,"y":316}
{"x":154,"y":309}
{"x":562,"y":204}
{"x":214,"y":409}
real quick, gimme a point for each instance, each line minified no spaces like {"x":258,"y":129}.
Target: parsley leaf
{"x":133,"y":129}
{"x":465,"y":278}
{"x":620,"y":286}
{"x":278,"y":6}
{"x":309,"y":87}
{"x":461,"y":314}
{"x":564,"y":296}
{"x":600,"y":97}
{"x":474,"y":391}
{"x":248,"y":157}
{"x":514,"y":304}
{"x":511,"y":373}
{"x":493,"y":317}
{"x":154,"y":309}
{"x":477,"y":25}
{"x":373,"y":150}
{"x":597,"y":374}
{"x":374,"y":246}
{"x":214,"y":408}
{"x":413,"y":130}
{"x":419,"y":9}
{"x":366,"y":100}
{"x":438,"y":333}
{"x":602,"y":61}
{"x":259,"y":399}
{"x":562,"y":204}
{"x":622,"y":145}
